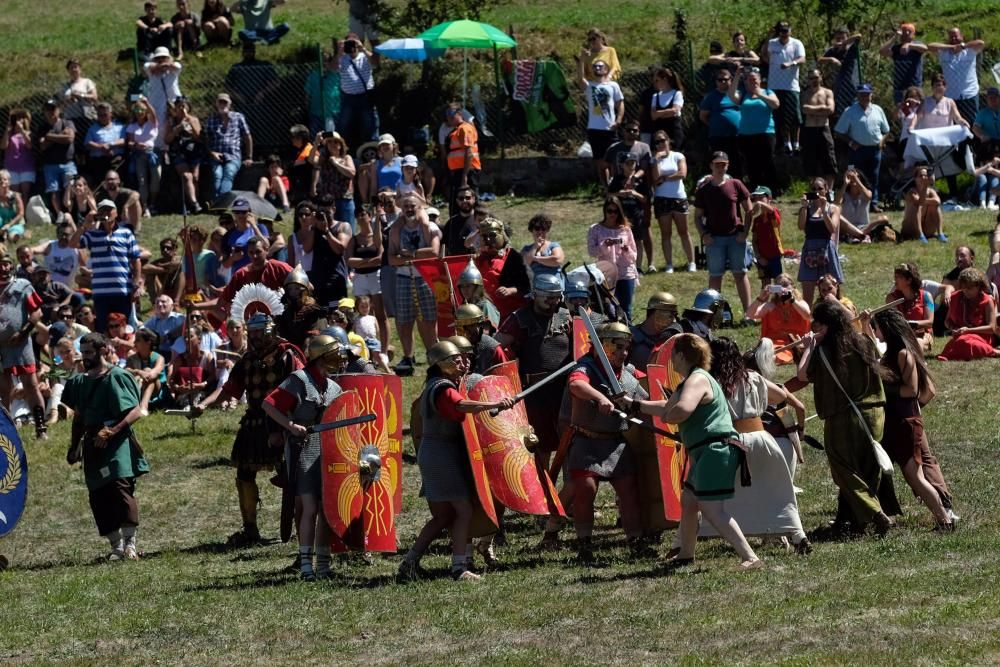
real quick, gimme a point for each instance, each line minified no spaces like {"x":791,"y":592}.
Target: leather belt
{"x":748,"y":425}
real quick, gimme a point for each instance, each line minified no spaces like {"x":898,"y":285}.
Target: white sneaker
{"x":993,"y":206}
{"x":982,"y":205}
{"x":692,"y":267}
{"x":669,"y":268}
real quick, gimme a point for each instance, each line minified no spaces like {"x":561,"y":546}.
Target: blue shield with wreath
{"x":13,"y":475}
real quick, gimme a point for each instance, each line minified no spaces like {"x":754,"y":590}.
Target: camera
{"x":350,"y":46}
{"x":776,"y":289}
{"x":326,"y":135}
{"x":812,"y":196}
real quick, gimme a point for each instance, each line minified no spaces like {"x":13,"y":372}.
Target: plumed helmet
{"x":320,"y":346}
{"x":260,"y":322}
{"x":707,"y":301}
{"x":614,"y":330}
{"x":469,"y":314}
{"x":470,"y":275}
{"x":546,"y":283}
{"x":577,"y":288}
{"x":441,"y":350}
{"x":462,"y":343}
{"x":297,"y":277}
{"x":662,"y":301}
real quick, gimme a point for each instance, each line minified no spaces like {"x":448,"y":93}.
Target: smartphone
{"x":850,"y":167}
{"x":776,"y":289}
{"x":812,"y":196}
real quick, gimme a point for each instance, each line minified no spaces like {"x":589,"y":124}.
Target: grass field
{"x":913,"y":598}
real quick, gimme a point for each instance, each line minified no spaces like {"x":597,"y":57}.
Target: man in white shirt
{"x":785,"y":55}
{"x":958,"y":65}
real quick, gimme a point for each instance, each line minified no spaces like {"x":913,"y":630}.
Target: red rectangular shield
{"x":478,"y":465}
{"x":360,"y":514}
{"x":509,"y":370}
{"x":515,"y":480}
{"x":672,"y":459}
{"x":442,"y":276}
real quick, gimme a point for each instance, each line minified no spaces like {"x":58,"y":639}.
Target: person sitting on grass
{"x":922,"y":209}
{"x":972,"y":316}
{"x":784,"y":316}
{"x":147,"y":367}
{"x":191,"y":374}
{"x":918,"y":304}
{"x":274,"y":186}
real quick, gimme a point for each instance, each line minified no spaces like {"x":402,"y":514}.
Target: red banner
{"x":441,"y":275}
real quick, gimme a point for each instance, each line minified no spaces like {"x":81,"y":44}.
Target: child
{"x":633,"y":193}
{"x":65,"y":366}
{"x":274,"y":186}
{"x":411,"y":179}
{"x":366,"y":326}
{"x":765,"y":226}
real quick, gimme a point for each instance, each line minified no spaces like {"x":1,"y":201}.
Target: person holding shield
{"x":443,"y":460}
{"x":295,"y":405}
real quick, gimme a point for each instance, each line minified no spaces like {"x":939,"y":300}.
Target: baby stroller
{"x":946,"y":150}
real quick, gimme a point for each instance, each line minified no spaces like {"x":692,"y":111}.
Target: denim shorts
{"x":726,"y":252}
{"x":58,"y":175}
{"x":18,"y":177}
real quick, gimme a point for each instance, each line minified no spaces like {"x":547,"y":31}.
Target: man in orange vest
{"x":463,"y":154}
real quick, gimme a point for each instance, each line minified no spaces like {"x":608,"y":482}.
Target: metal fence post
{"x":322,"y":83}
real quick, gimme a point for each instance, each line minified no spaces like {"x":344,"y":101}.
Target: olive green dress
{"x":853,"y":465}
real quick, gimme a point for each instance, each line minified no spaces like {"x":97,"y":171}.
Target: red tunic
{"x":491,"y":266}
{"x":915,"y":310}
{"x":962,"y":313}
{"x":779,"y":323}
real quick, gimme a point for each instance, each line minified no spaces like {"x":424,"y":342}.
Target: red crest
{"x":360,"y":512}
{"x":514,"y":478}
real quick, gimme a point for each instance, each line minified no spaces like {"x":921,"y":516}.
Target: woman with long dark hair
{"x":844,"y":369}
{"x":907,"y":380}
{"x":667,"y":106}
{"x":918,"y":305}
{"x":767,"y":506}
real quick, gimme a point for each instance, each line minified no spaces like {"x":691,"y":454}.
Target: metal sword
{"x":363,"y":419}
{"x":616,"y":387}
{"x":521,"y":395}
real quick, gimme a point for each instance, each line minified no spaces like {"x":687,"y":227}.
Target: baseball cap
{"x":865,"y":88}
{"x":433,"y":213}
{"x":240,"y":205}
{"x":161,"y":52}
{"x":410,"y":161}
{"x":51,"y":104}
{"x":386,"y":139}
{"x":761,"y":190}
{"x":992,"y":91}
{"x":224,"y":97}
{"x":720,"y":155}
{"x":41,"y":268}
{"x":106,"y":203}
{"x":346,"y":302}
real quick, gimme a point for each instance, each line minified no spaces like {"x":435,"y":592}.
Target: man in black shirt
{"x":56,"y":137}
{"x":460,"y":225}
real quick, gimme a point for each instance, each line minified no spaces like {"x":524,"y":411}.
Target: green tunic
{"x":103,"y":401}
{"x":853,"y":465}
{"x":714,"y":462}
